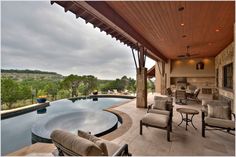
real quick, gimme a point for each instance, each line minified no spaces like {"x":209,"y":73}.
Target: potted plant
{"x":42,"y":99}
{"x":95,"y":92}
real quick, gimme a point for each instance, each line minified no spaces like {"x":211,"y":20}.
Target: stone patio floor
{"x":153,"y":141}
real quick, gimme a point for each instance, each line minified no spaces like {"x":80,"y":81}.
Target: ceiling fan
{"x":187,"y":54}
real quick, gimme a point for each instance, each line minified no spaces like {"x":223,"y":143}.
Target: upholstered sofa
{"x":84,"y":144}
{"x":217,"y":114}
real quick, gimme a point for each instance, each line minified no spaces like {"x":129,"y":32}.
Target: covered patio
{"x":193,"y":46}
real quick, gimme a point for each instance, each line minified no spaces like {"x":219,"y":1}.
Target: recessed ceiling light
{"x":182,"y":24}
{"x":181,"y":9}
{"x":184,"y":36}
{"x":217,"y":30}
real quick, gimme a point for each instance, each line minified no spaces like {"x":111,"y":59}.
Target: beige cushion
{"x":164,"y":112}
{"x":160,"y":104}
{"x":215,"y":102}
{"x":220,"y":122}
{"x":158,"y":120}
{"x":102,"y":145}
{"x":72,"y":144}
{"x":99,"y":142}
{"x":111,"y":147}
{"x":219,"y":111}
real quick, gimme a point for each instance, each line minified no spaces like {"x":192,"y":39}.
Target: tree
{"x":9,"y":92}
{"x":88,"y":85}
{"x":24,"y":92}
{"x":71,"y":83}
{"x":131,"y":85}
{"x":51,"y":89}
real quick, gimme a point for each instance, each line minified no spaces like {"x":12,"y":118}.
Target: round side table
{"x":187,"y":111}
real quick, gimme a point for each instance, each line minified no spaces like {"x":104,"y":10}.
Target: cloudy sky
{"x":37,"y":35}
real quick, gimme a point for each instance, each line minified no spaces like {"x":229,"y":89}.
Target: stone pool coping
{"x":125,"y":126}
{"x":22,"y":110}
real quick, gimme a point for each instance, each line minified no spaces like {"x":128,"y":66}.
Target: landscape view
{"x":22,"y":87}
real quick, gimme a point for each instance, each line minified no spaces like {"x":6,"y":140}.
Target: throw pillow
{"x":160,"y":104}
{"x":219,"y":111}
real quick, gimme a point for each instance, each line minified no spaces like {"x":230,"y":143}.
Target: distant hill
{"x":29,"y":74}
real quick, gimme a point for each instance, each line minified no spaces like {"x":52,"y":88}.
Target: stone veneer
{"x":224,"y":58}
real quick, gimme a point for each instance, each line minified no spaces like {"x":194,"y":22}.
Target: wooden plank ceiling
{"x":165,"y":28}
{"x":207,"y":26}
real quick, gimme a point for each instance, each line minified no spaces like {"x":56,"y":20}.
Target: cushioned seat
{"x":220,"y":122}
{"x":111,"y":147}
{"x":163,"y":112}
{"x":157,"y":120}
{"x":72,"y":144}
{"x":85,"y":144}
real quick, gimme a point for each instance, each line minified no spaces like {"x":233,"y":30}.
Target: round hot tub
{"x":97,"y":122}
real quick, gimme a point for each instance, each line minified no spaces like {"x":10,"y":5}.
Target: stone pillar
{"x":141,"y":97}
{"x":160,"y":84}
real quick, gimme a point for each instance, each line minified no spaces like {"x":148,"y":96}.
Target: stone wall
{"x":224,"y":58}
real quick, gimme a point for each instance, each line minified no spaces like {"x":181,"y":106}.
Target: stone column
{"x":141,"y":97}
{"x":160,"y":84}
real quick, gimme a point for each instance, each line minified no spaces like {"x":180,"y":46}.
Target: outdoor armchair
{"x":169,"y":92}
{"x":217,"y":114}
{"x":159,"y":115}
{"x":194,"y":96}
{"x":180,"y":96}
{"x":84,"y":144}
{"x":160,"y":108}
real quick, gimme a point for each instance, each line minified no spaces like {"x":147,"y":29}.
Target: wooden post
{"x":141,"y":78}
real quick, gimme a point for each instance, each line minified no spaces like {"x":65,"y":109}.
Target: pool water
{"x":16,"y":131}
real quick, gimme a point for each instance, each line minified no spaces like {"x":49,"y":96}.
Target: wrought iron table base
{"x":187,"y":120}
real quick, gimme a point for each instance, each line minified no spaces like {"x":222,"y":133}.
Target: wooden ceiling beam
{"x":110,"y":30}
{"x":80,"y":13}
{"x":104,"y":28}
{"x":97,"y":23}
{"x":104,"y":9}
{"x":90,"y":19}
{"x":69,"y":6}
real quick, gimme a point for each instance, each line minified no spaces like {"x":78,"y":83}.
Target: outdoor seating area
{"x":153,"y":141}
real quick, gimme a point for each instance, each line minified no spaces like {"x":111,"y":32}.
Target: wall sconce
{"x":200,"y":66}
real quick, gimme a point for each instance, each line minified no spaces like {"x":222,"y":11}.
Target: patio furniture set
{"x":215,"y":114}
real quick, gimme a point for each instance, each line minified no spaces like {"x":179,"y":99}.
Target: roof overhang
{"x":164,"y":28}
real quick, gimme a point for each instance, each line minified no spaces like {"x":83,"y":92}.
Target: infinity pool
{"x":16,"y":131}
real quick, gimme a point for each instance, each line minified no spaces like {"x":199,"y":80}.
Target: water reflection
{"x":42,"y":111}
